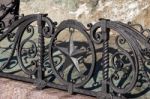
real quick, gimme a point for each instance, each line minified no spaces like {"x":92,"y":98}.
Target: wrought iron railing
{"x":108,"y":59}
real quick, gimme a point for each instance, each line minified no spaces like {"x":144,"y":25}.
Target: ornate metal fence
{"x":108,"y":60}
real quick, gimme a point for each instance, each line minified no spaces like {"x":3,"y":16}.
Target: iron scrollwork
{"x":74,"y":52}
{"x":71,"y":57}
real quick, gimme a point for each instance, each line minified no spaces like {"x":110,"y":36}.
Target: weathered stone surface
{"x":10,"y":89}
{"x":88,"y":10}
{"x":143,"y":18}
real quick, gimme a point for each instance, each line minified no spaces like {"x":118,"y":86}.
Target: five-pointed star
{"x":72,"y":52}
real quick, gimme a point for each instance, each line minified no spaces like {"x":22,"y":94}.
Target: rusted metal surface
{"x":76,"y":58}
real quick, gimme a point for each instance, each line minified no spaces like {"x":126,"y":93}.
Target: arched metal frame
{"x":132,"y":62}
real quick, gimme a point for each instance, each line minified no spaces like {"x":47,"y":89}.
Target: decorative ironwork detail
{"x":74,"y":58}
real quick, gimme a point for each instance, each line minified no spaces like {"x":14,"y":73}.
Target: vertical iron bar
{"x":105,"y":65}
{"x":40,"y":72}
{"x":40,"y":47}
{"x":105,"y":56}
{"x":16,"y":9}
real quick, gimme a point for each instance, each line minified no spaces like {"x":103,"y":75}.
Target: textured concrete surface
{"x":10,"y":89}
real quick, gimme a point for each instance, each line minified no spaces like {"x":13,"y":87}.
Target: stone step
{"x":10,"y":89}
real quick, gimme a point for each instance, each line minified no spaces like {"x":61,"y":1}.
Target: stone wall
{"x":91,"y":10}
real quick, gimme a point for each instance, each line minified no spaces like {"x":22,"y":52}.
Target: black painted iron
{"x":72,"y":57}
